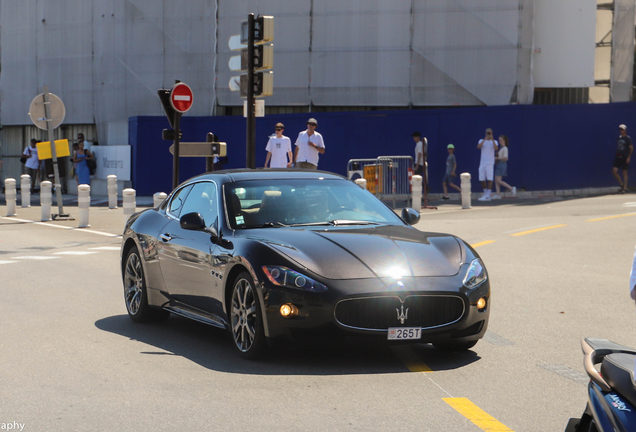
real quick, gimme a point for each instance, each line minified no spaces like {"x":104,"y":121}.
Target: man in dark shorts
{"x":624,"y":149}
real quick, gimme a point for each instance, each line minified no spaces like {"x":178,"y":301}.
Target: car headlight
{"x":282,"y":276}
{"x":476,"y":274}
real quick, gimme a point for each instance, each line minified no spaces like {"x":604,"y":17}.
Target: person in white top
{"x":32,"y":163}
{"x":501,"y":168}
{"x":421,"y":148}
{"x":279,"y":149}
{"x":309,"y":145}
{"x":488,"y":146}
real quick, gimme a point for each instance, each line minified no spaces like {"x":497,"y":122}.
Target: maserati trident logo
{"x":403,"y":315}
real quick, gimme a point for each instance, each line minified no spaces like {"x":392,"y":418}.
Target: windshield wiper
{"x":336,"y":222}
{"x":270,"y":225}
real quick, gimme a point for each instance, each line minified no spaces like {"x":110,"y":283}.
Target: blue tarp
{"x":551,"y":146}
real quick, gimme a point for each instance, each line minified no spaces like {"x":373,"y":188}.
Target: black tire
{"x":246,"y":318}
{"x":455,"y":346}
{"x":135,"y":296}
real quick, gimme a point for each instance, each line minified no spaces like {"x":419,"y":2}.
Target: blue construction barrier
{"x":551,"y":146}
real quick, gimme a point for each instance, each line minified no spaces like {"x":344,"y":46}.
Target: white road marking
{"x":110,"y":248}
{"x":74,"y":253}
{"x":7,"y":262}
{"x":36,"y":257}
{"x":61,"y":226}
{"x":629,"y":204}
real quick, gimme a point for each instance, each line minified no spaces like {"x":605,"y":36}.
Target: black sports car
{"x":291,"y":255}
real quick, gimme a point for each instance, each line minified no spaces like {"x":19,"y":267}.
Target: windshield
{"x":293,"y":202}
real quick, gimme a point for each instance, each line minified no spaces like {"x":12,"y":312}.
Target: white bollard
{"x":25,"y":190}
{"x":158,"y":198}
{"x":46,"y":199}
{"x":112,"y":191}
{"x":83,"y":203}
{"x":9,"y":190}
{"x":416,"y":186}
{"x":130,"y":203}
{"x":465,"y":186}
{"x":362,"y":183}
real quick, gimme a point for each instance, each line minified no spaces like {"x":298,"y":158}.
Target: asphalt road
{"x":73,"y":361}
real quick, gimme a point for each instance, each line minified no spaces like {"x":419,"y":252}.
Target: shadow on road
{"x":212,"y":348}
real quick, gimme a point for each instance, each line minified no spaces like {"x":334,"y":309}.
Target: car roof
{"x":232,"y":175}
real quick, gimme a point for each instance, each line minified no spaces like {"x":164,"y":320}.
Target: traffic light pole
{"x":251,"y":115}
{"x":175,"y":157}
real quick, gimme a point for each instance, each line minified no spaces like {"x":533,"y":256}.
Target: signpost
{"x":47,"y":112}
{"x":175,"y":102}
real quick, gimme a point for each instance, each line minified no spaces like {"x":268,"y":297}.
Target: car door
{"x":187,"y":256}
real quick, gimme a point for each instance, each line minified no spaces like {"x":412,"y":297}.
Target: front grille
{"x":380,"y":313}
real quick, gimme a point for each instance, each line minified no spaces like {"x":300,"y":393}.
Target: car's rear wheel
{"x":246,"y":319}
{"x":455,"y":346}
{"x":135,"y":295}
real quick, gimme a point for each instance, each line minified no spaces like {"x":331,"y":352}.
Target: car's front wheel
{"x":245,"y":318}
{"x":135,"y":295}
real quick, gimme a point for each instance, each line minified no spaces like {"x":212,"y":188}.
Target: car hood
{"x":355,"y":253}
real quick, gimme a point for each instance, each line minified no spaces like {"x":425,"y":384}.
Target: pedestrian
{"x":279,"y":152}
{"x":451,"y":165}
{"x":75,"y":148}
{"x":421,"y":149}
{"x":309,"y":145}
{"x":624,"y":150}
{"x":488,"y":146}
{"x":501,"y":168}
{"x":80,"y":157}
{"x":32,"y":164}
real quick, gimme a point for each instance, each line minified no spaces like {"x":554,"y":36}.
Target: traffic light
{"x":263,"y":84}
{"x":263,"y":30}
{"x":262,"y":54}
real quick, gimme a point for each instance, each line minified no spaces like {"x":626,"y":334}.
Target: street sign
{"x":201,"y":149}
{"x":259,"y":108}
{"x":181,"y":97}
{"x":37,"y":111}
{"x":61,"y":149}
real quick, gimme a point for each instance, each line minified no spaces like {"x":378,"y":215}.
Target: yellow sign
{"x":370,"y":172}
{"x":61,"y":149}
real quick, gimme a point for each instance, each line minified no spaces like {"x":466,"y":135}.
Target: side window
{"x":202,"y":199}
{"x":176,"y":203}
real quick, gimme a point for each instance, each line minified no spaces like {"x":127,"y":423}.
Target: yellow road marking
{"x":410,"y":359}
{"x":476,"y":415}
{"x":482,"y":243}
{"x":536,"y":230}
{"x":611,"y":217}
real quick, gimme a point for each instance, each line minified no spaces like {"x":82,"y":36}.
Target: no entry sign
{"x":181,"y":97}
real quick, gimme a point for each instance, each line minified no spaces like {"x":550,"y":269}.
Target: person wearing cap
{"x":488,"y":146}
{"x":624,"y":150}
{"x":32,"y":164}
{"x":279,"y":149}
{"x":451,"y":165}
{"x":309,"y":145}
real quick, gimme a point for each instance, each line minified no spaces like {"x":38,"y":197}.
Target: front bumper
{"x":444,"y":309}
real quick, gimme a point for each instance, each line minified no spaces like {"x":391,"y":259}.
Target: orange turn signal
{"x":288,"y":310}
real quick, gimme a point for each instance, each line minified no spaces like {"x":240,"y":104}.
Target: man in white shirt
{"x":308,"y":146}
{"x":488,"y":146}
{"x":279,"y":149}
{"x":421,"y":148}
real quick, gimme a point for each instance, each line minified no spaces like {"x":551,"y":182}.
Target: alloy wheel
{"x":244,"y":315}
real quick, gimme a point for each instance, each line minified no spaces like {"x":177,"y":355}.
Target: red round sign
{"x":181,"y":97}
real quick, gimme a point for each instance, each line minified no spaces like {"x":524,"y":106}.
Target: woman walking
{"x":83,"y":172}
{"x":501,"y":168}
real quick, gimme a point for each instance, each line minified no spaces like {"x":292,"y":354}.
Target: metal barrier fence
{"x":388,"y":177}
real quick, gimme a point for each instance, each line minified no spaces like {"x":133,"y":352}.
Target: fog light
{"x":481,"y":304}
{"x":288,"y":310}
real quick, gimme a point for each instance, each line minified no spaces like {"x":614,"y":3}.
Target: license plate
{"x":404,"y":333}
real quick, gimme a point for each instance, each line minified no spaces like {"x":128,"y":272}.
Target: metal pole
{"x":251,"y":117}
{"x":56,"y":172}
{"x":175,"y":157}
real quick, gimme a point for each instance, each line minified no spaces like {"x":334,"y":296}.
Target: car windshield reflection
{"x":292,"y":203}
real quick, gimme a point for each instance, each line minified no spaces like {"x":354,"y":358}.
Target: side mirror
{"x":410,"y":216}
{"x":195,"y":222}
